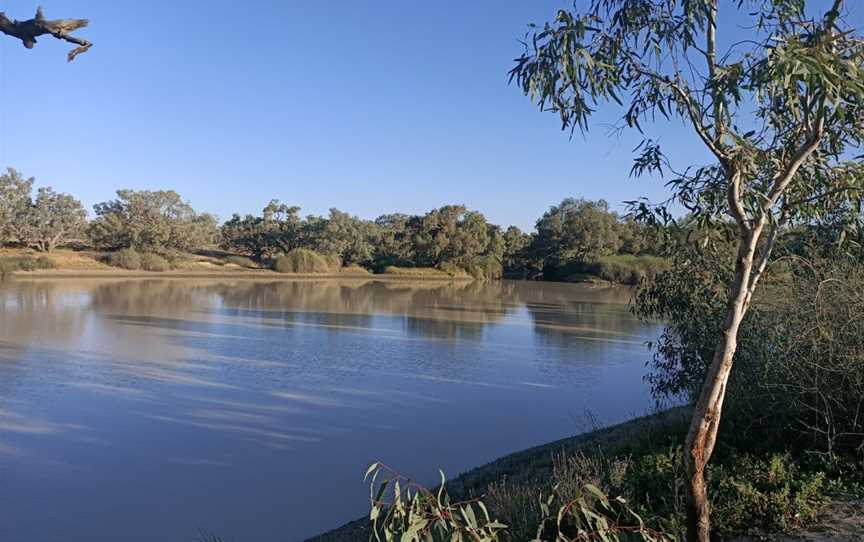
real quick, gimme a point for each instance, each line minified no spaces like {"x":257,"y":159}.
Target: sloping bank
{"x":536,"y":463}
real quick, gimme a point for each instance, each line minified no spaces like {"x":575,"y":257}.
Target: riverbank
{"x":64,"y":263}
{"x":531,"y":467}
{"x":757,"y":496}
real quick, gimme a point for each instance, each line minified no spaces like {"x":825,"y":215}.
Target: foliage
{"x":625,"y":268}
{"x":576,"y":229}
{"x":150,"y":221}
{"x":52,"y":218}
{"x":301,"y":260}
{"x":14,"y":204}
{"x":25,"y":263}
{"x":42,"y":223}
{"x":415,"y":513}
{"x":764,"y":495}
{"x":154,"y":262}
{"x":485,"y":268}
{"x":800,"y":353}
{"x":126,"y":258}
{"x":779,"y":111}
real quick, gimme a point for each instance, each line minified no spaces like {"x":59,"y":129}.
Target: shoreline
{"x":529,"y":463}
{"x":262,"y":274}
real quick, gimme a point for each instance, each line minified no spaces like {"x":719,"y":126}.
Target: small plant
{"x":126,"y":258}
{"x":416,"y":514}
{"x":154,"y":262}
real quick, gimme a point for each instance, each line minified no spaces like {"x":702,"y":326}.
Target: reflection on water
{"x":144,"y":409}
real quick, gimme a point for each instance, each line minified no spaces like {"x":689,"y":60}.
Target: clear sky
{"x":368,"y":106}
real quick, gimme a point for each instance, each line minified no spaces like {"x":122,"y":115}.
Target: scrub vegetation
{"x":157,"y":230}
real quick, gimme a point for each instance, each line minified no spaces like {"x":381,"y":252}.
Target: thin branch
{"x":27,"y":31}
{"x":687,"y":100}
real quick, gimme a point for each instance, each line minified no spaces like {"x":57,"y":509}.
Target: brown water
{"x":142,"y":410}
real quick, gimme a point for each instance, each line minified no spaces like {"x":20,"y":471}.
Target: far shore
{"x":262,"y":274}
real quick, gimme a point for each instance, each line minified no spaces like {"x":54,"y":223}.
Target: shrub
{"x":486,"y":268}
{"x":760,"y":496}
{"x":624,"y":268}
{"x":355,"y":269}
{"x":25,"y":263}
{"x":800,"y":358}
{"x":126,"y":258}
{"x":241,"y":261}
{"x":154,"y":262}
{"x":301,"y":260}
{"x":415,"y":513}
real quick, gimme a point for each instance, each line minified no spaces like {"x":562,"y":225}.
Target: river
{"x":145,"y":410}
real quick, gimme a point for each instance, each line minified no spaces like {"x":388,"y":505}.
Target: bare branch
{"x":27,"y":31}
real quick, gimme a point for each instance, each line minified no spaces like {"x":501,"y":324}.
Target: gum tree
{"x":778,"y":108}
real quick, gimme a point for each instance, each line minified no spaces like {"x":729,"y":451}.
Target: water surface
{"x":142,"y":410}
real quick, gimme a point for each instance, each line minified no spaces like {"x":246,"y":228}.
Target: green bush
{"x":301,"y":260}
{"x":415,"y":514}
{"x":154,"y":262}
{"x":625,"y":268}
{"x":25,"y":263}
{"x":126,"y":258}
{"x":241,"y":261}
{"x":486,"y":268}
{"x":759,"y":496}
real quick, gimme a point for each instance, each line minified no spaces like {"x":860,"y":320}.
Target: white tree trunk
{"x":706,"y":416}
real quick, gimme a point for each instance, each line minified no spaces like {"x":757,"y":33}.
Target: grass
{"x":424,"y":272}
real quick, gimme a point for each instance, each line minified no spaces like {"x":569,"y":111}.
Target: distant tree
{"x":15,"y":203}
{"x":392,"y":241}
{"x":345,"y":236}
{"x":151,"y":221}
{"x":516,"y":259}
{"x":576,"y":229}
{"x":52,"y":219}
{"x":450,"y":235}
{"x":779,"y":111}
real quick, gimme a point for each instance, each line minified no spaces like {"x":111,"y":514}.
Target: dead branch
{"x":27,"y":31}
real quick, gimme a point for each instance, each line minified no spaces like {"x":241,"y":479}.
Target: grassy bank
{"x":534,"y":467}
{"x":757,"y":493}
{"x":65,"y":263}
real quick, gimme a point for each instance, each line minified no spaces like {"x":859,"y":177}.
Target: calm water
{"x":142,"y":410}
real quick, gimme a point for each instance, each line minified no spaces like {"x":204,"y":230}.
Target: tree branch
{"x":27,"y":31}
{"x":687,"y":100}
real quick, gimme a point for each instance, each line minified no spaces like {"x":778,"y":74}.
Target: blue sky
{"x":368,"y":106}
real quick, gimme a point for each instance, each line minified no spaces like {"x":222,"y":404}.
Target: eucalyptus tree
{"x":14,"y":204}
{"x":778,"y":110}
{"x":150,"y":220}
{"x":52,"y":219}
{"x":576,"y":229}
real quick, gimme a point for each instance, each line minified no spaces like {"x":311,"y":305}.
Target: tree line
{"x":569,"y":235}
